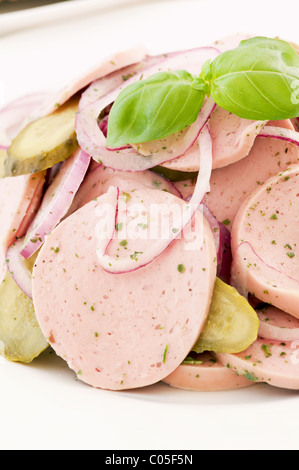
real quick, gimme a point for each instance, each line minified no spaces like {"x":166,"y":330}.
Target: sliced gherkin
{"x":175,"y":175}
{"x":44,"y":142}
{"x":232,"y":325}
{"x":3,"y":155}
{"x":21,"y":339}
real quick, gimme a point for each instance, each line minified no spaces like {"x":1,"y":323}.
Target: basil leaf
{"x":259,"y":80}
{"x":155,"y":108}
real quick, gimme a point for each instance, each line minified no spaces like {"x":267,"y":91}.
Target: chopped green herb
{"x":126,"y":77}
{"x":119,"y":227}
{"x":181,"y":268}
{"x":226,"y":222}
{"x":165,"y":354}
{"x":249,"y":376}
{"x":136,"y":254}
{"x":126,"y":197}
{"x":267,"y":350}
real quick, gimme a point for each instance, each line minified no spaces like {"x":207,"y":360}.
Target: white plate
{"x":43,"y":406}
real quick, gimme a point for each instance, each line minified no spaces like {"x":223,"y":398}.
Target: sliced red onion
{"x":92,"y":139}
{"x":295,"y":123}
{"x":14,"y":115}
{"x":56,"y":202}
{"x":129,"y":159}
{"x":222,"y":239}
{"x":52,"y":173}
{"x":18,"y":268}
{"x":98,"y":181}
{"x":107,"y":228}
{"x":280,"y":133}
{"x":178,"y":223}
{"x":224,"y":266}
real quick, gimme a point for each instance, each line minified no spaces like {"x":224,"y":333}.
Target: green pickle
{"x":3,"y":155}
{"x":232,"y":325}
{"x":175,"y":175}
{"x":44,"y":142}
{"x":21,"y":339}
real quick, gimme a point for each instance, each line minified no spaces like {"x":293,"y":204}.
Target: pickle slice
{"x":3,"y":155}
{"x":232,"y":325}
{"x":175,"y":175}
{"x":21,"y":339}
{"x":44,"y":142}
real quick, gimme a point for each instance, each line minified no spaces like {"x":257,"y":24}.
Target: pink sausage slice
{"x":186,"y":188}
{"x":205,"y":374}
{"x":267,"y":361}
{"x":265,"y":243}
{"x":100,"y":178}
{"x":233,"y":184}
{"x":277,"y":325}
{"x":232,"y":137}
{"x":19,"y":200}
{"x":121,"y":331}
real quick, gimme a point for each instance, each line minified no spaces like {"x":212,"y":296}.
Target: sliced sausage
{"x":277,"y":325}
{"x":233,"y":184}
{"x":100,"y":178}
{"x":205,"y":374}
{"x":122,"y":331}
{"x":186,"y":188}
{"x":267,"y":361}
{"x":265,"y":243}
{"x":233,"y":138}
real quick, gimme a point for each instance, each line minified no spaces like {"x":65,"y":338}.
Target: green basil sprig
{"x":151,"y":109}
{"x":258,"y":80}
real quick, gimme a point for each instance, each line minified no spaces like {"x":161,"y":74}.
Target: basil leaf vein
{"x":256,"y":80}
{"x":259,"y":80}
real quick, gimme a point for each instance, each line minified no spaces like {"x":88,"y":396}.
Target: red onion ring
{"x":92,"y":139}
{"x":156,"y":248}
